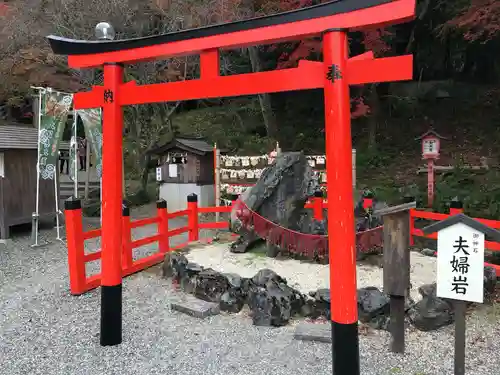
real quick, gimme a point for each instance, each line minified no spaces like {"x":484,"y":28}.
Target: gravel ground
{"x":44,"y":330}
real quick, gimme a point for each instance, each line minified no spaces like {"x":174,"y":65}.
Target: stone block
{"x":313,"y":332}
{"x":196,"y":307}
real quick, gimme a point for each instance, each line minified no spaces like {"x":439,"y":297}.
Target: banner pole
{"x":75,"y":156}
{"x":56,"y":195}
{"x":217,"y":180}
{"x":87,"y":166}
{"x":35,"y":216}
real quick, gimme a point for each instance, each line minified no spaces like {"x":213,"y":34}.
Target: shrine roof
{"x":430,"y":132}
{"x":21,"y":137}
{"x":194,"y":145}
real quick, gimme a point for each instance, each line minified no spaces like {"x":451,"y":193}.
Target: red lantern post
{"x":431,"y":143}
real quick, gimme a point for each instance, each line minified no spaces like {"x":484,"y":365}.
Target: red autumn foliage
{"x":361,"y":109}
{"x":373,"y":40}
{"x":480,"y":21}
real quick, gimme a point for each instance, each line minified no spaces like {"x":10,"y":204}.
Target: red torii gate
{"x":337,"y":71}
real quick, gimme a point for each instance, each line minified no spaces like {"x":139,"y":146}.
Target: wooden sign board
{"x":460,"y":270}
{"x":460,"y":263}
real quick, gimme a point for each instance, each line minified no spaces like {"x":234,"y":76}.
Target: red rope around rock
{"x":312,"y":246}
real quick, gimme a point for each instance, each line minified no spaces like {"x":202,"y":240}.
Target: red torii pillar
{"x":341,"y":230}
{"x":112,"y":190}
{"x":334,"y":75}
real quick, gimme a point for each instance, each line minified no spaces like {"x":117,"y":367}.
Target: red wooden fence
{"x":76,"y":237}
{"x":420,"y":214}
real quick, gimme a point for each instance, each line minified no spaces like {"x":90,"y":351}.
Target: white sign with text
{"x":430,"y":146}
{"x":460,"y":263}
{"x":172,"y":170}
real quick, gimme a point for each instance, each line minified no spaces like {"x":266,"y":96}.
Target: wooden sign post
{"x":217,"y":180}
{"x":460,"y":269}
{"x":397,"y":267}
{"x":431,"y":144}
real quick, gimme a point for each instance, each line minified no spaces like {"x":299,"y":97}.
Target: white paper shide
{"x":460,"y":263}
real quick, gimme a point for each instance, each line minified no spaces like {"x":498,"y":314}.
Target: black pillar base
{"x":345,"y":349}
{"x":111,"y":315}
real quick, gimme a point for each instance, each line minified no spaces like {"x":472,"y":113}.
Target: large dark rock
{"x":279,"y":196}
{"x":373,"y":306}
{"x":261,"y":305}
{"x":319,"y":305}
{"x":307,"y":223}
{"x":188,"y":281}
{"x":244,"y":242}
{"x":234,"y":298}
{"x":431,"y":312}
{"x":271,"y":300}
{"x":265,"y":275}
{"x":372,"y":303}
{"x":210,"y":285}
{"x":174,"y":266}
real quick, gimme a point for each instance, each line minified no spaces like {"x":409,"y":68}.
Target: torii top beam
{"x":297,"y":24}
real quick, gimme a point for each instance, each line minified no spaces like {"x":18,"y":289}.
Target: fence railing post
{"x":76,"y":246}
{"x":317,"y":202}
{"x":192,"y":203}
{"x":368,"y":201}
{"x":409,"y":199}
{"x":456,"y":207}
{"x":127,"y":258}
{"x":397,"y":267}
{"x":234,"y":198}
{"x":162,"y":212}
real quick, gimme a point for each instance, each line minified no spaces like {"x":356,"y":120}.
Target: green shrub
{"x":139,"y":198}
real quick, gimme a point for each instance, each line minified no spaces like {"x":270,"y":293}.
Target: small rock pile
{"x":273,"y":302}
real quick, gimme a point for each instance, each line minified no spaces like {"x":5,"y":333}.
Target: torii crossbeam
{"x":332,"y":20}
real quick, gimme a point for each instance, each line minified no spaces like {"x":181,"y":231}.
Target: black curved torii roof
{"x":66,"y":46}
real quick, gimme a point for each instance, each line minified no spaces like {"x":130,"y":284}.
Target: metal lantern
{"x":104,"y":31}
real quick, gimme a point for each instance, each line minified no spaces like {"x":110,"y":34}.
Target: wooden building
{"x":18,"y":174}
{"x":187,"y":166}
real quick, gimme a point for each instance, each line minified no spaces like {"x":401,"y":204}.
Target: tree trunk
{"x":145,"y":172}
{"x":264,"y":99}
{"x":423,"y":12}
{"x":374,"y":103}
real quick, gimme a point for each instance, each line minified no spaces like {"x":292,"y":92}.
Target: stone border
{"x":273,"y":302}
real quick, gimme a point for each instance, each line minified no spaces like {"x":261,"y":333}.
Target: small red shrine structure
{"x":331,"y":20}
